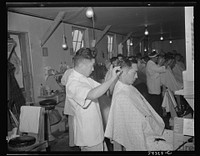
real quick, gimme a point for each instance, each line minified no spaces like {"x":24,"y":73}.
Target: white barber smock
{"x":64,"y":80}
{"x":88,"y":126}
{"x":131,"y":119}
{"x":153,"y":77}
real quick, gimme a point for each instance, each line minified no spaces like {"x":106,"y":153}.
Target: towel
{"x":169,"y":103}
{"x":29,"y":119}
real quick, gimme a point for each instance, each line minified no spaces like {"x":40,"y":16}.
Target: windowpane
{"x":128,"y":46}
{"x":110,"y":43}
{"x":77,"y":36}
{"x":80,"y":36}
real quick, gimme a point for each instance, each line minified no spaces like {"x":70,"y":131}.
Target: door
{"x":24,"y":67}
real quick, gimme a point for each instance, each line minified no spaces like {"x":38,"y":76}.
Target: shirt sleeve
{"x":78,"y":91}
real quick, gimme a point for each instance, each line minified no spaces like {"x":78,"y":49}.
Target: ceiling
{"x":168,"y":21}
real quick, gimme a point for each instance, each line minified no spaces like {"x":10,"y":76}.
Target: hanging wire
{"x":93,"y":27}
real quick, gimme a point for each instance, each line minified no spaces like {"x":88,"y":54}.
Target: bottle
{"x":41,"y":90}
{"x":48,"y":90}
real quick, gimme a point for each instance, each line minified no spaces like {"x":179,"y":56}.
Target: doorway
{"x":24,"y":72}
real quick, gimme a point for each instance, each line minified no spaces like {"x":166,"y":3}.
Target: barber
{"x":153,"y":71}
{"x":82,"y":94}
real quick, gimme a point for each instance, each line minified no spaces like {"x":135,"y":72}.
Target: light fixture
{"x":64,"y":43}
{"x":170,"y":41}
{"x":145,"y":49}
{"x":131,"y":42}
{"x":146,"y":32}
{"x":161,"y":38}
{"x":90,"y":12}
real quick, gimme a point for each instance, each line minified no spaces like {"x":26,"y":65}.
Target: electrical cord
{"x":189,"y":140}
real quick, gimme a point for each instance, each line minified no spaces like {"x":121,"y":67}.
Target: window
{"x":110,"y":45}
{"x":128,"y":42}
{"x":77,"y":39}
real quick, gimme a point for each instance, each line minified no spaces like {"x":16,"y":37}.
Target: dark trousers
{"x":156,"y":103}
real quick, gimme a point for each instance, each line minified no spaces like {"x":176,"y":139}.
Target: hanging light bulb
{"x":89,"y":12}
{"x":146,"y":32}
{"x":170,"y":41}
{"x":64,"y":43}
{"x":145,"y":49}
{"x":161,"y":38}
{"x":131,"y":42}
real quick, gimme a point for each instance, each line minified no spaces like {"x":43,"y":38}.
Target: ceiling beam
{"x":126,"y":38}
{"x":52,"y":27}
{"x":102,"y":34}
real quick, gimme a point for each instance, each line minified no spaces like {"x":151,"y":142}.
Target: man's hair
{"x":113,"y":59}
{"x":125,"y":63}
{"x":83,"y":53}
{"x":120,"y":55}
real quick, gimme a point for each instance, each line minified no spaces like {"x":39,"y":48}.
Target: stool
{"x":48,"y":104}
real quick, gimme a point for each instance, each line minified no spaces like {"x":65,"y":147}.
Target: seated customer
{"x":132,"y":122}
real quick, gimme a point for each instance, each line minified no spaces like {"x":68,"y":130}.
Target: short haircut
{"x":120,"y":55}
{"x":125,"y":63}
{"x":113,"y":59}
{"x":83,"y":53}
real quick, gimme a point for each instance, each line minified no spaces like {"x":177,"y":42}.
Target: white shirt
{"x":153,"y":77}
{"x":64,"y":80}
{"x":88,"y":126}
{"x":131,"y":119}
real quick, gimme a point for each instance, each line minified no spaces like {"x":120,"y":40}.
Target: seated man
{"x":132,"y":122}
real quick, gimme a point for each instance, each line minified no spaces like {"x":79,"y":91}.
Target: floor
{"x":61,"y":142}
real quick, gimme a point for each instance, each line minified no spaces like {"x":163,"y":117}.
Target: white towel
{"x":169,"y":103}
{"x":29,"y":119}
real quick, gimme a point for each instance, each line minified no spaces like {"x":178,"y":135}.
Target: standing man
{"x":82,"y":94}
{"x":153,"y":81}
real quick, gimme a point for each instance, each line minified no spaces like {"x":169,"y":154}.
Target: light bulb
{"x":161,"y":38}
{"x":89,"y":12}
{"x":131,"y":43}
{"x":146,"y":32}
{"x":64,"y":45}
{"x":145,"y":49}
{"x":170,"y":41}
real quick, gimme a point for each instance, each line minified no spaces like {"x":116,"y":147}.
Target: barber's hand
{"x":116,"y":71}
